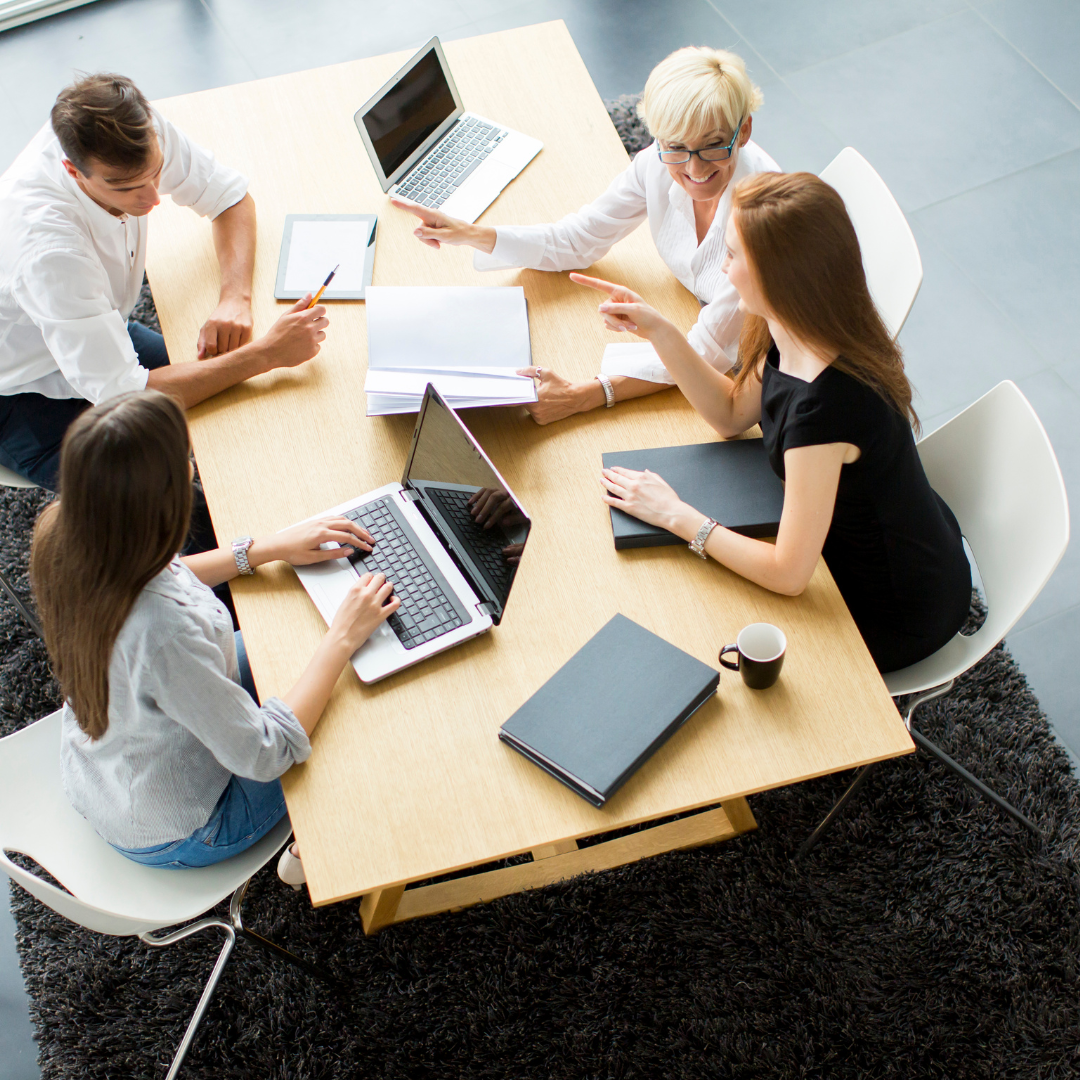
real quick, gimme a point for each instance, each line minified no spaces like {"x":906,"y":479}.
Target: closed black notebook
{"x":608,"y":708}
{"x":731,"y":482}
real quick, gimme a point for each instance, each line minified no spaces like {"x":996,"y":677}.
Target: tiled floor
{"x":968,"y":109}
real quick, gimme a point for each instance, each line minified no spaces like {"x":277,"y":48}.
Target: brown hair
{"x":803,"y":251}
{"x":104,"y":117}
{"x":122,"y":515}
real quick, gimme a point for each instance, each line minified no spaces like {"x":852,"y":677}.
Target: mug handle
{"x":727,"y":663}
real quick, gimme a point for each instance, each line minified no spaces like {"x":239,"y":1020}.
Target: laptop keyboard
{"x":485,"y":545}
{"x":451,"y":162}
{"x":427,"y":609}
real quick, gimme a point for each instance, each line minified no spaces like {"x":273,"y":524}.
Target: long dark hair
{"x":123,"y":513}
{"x":802,"y":248}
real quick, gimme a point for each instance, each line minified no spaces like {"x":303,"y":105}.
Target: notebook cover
{"x":731,"y":482}
{"x":608,"y":708}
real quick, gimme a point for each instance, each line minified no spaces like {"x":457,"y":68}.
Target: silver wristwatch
{"x":240,"y":550}
{"x":609,"y":390}
{"x":697,"y":545}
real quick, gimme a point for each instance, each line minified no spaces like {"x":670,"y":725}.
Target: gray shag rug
{"x":928,"y":936}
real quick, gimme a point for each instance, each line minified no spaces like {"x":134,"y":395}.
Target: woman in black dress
{"x":820,"y":373}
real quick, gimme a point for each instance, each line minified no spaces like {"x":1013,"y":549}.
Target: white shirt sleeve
{"x":63,"y":292}
{"x":193,"y":176}
{"x":715,"y":335}
{"x":578,"y":240}
{"x":191,"y":686}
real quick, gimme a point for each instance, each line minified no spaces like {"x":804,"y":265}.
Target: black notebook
{"x":731,"y":482}
{"x":608,"y":708}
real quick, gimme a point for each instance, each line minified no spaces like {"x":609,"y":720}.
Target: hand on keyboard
{"x":366,"y":606}
{"x":301,"y":545}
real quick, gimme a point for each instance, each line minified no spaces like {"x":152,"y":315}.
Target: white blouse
{"x":646,"y":190}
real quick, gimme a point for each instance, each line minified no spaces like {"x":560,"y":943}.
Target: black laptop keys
{"x":428,"y":608}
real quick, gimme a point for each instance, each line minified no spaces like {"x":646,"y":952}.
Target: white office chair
{"x":109,"y":893}
{"x":994,"y":466}
{"x":889,"y":252}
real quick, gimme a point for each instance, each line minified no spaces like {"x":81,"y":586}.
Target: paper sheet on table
{"x":469,"y":328}
{"x":517,"y":390}
{"x":316,"y":247}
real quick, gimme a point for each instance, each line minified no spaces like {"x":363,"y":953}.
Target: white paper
{"x":316,"y":247}
{"x":450,"y":385}
{"x":450,"y":327}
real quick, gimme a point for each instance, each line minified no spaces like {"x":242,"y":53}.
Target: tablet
{"x":313,"y":244}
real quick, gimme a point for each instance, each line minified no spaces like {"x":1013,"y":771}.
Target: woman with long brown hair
{"x":163,"y":751}
{"x":826,"y":382}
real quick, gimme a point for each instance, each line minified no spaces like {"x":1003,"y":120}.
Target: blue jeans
{"x":32,"y":426}
{"x":245,"y":813}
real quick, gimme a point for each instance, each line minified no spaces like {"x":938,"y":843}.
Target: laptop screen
{"x":466,"y":501}
{"x":409,"y":112}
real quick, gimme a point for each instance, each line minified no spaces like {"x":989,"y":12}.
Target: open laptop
{"x":426,"y":148}
{"x":452,"y":573}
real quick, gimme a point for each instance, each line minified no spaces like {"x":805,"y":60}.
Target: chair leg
{"x":23,"y":610}
{"x":274,"y":949}
{"x":211,"y":985}
{"x":232,"y":928}
{"x":808,"y":844}
{"x":976,"y":783}
{"x":972,"y":781}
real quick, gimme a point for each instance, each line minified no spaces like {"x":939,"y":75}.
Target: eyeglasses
{"x":706,"y":153}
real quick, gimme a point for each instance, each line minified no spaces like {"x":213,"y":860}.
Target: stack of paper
{"x":469,"y":341}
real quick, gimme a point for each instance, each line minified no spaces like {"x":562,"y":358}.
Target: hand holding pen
{"x":329,"y":278}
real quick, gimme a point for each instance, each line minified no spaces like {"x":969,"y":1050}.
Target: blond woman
{"x":698,"y":104}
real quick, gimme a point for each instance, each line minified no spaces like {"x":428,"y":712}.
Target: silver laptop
{"x":426,"y":148}
{"x":450,"y":537}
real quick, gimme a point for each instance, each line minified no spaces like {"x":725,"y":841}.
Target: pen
{"x":330,"y":277}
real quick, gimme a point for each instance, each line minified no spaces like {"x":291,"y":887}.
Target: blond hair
{"x":695,"y":92}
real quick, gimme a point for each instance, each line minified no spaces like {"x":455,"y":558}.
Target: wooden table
{"x":407,"y":779}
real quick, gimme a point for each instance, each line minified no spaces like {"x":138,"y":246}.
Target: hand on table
{"x":228,"y":328}
{"x":296,"y":336}
{"x":643,"y":495}
{"x":437,"y":228}
{"x":557,"y":398}
{"x":366,"y":605}
{"x":624,"y":309}
{"x":301,"y":545}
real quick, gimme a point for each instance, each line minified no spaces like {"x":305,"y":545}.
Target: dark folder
{"x":731,"y":482}
{"x":608,"y":708}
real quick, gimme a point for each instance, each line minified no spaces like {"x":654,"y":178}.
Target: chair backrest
{"x":994,"y":466}
{"x":13,"y":479}
{"x":889,"y":253}
{"x":109,"y":893}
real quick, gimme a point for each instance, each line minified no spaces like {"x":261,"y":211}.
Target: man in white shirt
{"x":73,"y":233}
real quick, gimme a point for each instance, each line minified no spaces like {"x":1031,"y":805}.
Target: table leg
{"x":555,"y":862}
{"x":378,"y":908}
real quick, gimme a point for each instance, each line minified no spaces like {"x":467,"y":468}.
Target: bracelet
{"x":697,"y":545}
{"x":240,"y":550}
{"x":609,"y":390}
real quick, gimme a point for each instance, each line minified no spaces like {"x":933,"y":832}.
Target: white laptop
{"x":426,"y":148}
{"x":450,"y":537}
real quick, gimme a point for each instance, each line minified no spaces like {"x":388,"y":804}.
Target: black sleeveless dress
{"x":894,"y":547}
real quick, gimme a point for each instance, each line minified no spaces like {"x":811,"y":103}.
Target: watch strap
{"x":609,"y":390}
{"x":697,"y":545}
{"x":240,"y":550}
